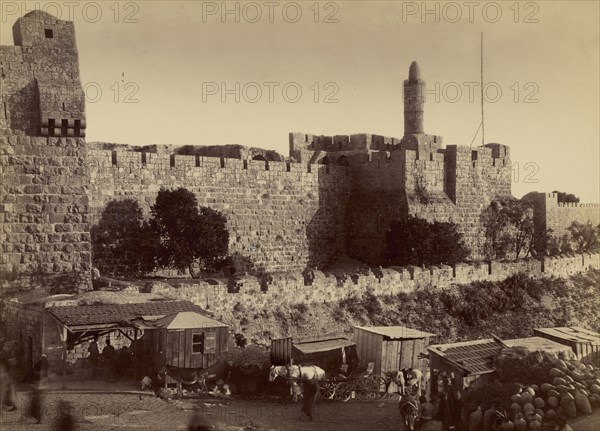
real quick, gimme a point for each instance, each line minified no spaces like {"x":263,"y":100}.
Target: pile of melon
{"x":569,"y":389}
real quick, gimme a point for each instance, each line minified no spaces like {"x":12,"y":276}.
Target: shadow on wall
{"x":26,"y":117}
{"x":326,"y":230}
{"x":122,"y":241}
{"x":369,"y":217}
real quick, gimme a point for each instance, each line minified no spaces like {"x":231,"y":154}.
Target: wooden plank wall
{"x":178,"y":347}
{"x":584,"y":351}
{"x":369,"y":348}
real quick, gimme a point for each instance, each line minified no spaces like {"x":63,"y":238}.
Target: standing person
{"x":108,"y":355}
{"x":94,"y":356}
{"x":36,"y":402}
{"x":8,"y":395}
{"x":309,"y":392}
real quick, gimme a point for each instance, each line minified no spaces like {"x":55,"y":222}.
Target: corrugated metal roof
{"x":187,"y":320}
{"x":475,"y":356}
{"x":78,"y":315}
{"x":574,"y":333}
{"x":396,"y":332}
{"x":323,"y":345}
{"x":534,"y":344}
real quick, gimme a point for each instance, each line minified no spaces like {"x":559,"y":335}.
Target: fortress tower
{"x":414,"y":98}
{"x":41,"y":89}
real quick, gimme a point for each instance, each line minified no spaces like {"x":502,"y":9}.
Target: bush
{"x":250,"y":369}
{"x":419,"y":242}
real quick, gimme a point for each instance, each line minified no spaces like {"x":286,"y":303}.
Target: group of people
{"x":113,"y":364}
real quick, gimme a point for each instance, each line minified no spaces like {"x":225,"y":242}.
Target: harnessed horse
{"x":409,"y":411}
{"x":184,"y":376}
{"x":295,"y":373}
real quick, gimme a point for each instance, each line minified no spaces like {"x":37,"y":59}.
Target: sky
{"x":212,"y":73}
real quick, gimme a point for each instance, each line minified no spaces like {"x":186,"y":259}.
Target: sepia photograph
{"x":300,"y":215}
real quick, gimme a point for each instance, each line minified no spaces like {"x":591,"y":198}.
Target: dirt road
{"x":115,"y":412}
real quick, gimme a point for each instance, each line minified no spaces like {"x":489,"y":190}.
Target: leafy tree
{"x":564,"y":197}
{"x":509,"y":228}
{"x":123,"y":240}
{"x":189,"y":235}
{"x":585,"y":236}
{"x":416,"y":241}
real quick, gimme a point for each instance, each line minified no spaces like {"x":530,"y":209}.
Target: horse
{"x":296,"y":373}
{"x":410,"y":380}
{"x":184,"y":376}
{"x":409,"y":411}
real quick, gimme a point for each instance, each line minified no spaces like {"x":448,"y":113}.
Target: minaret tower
{"x":414,"y":97}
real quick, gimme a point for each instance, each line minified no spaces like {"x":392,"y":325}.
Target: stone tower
{"x":41,"y":89}
{"x":414,"y":97}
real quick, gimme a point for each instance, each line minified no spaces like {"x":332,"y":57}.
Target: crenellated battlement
{"x":333,"y":195}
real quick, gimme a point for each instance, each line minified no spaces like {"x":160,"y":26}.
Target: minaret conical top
{"x":414,"y":73}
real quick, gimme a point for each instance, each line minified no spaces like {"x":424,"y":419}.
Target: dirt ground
{"x":118,"y":411}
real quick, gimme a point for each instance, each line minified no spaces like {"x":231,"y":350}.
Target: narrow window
{"x":245,"y":164}
{"x":51,"y":124}
{"x":266,"y":165}
{"x":64,"y":106}
{"x":77,"y":127}
{"x":222,"y":162}
{"x":144,"y":160}
{"x":473,"y":155}
{"x":5,"y":110}
{"x":114,"y":158}
{"x":197,"y":160}
{"x":431,"y":157}
{"x":172,"y":160}
{"x":287,"y":167}
{"x":48,"y":33}
{"x":198,"y":342}
{"x":64,"y":125}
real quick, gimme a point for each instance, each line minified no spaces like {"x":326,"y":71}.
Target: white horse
{"x":296,"y":374}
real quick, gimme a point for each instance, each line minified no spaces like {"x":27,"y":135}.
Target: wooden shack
{"x":188,"y":339}
{"x":470,"y":361}
{"x":585,"y":343}
{"x":392,"y":348}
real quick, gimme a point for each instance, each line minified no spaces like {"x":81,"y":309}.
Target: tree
{"x":509,"y":228}
{"x":416,"y":241}
{"x":585,"y":236}
{"x":189,"y":235}
{"x":564,"y":197}
{"x":122,"y":240}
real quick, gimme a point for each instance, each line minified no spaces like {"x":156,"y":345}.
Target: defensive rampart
{"x":286,"y":289}
{"x":281,"y":216}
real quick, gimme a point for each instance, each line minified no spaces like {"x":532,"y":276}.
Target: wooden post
{"x":62,"y":330}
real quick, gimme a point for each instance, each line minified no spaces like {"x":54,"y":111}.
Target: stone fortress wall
{"x":293,"y":288}
{"x":335,"y":195}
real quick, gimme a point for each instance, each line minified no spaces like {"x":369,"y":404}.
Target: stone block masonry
{"x":335,"y":194}
{"x":281,"y":216}
{"x":44,"y":211}
{"x":290,"y":288}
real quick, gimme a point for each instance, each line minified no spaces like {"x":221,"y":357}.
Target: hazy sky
{"x":177,"y":57}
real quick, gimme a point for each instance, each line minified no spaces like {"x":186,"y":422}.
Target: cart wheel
{"x":367,"y":388}
{"x":382,"y":385}
{"x":328,"y":390}
{"x":343,"y":392}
